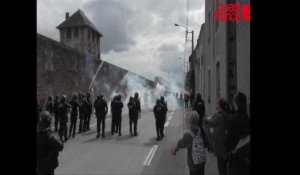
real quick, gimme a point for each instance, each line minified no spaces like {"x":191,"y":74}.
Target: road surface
{"x":127,"y":154}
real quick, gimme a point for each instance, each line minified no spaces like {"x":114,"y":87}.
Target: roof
{"x":76,"y":20}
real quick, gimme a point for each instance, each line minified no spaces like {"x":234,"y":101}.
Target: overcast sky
{"x":138,"y":35}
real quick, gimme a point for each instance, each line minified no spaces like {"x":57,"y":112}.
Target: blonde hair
{"x":194,"y":118}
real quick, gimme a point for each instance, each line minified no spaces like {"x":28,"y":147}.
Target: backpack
{"x":198,"y":148}
{"x":159,"y":108}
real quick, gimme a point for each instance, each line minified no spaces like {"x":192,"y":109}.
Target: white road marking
{"x":153,"y":152}
{"x":148,"y":155}
{"x":167,"y":123}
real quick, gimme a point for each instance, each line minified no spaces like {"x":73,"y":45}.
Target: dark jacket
{"x":89,"y":107}
{"x":48,"y":149}
{"x":50,"y":107}
{"x":239,"y":127}
{"x":130,"y":106}
{"x":64,"y":108}
{"x":238,"y":130}
{"x":199,"y":106}
{"x":136,"y":107}
{"x":116,"y":107}
{"x":165,"y":108}
{"x":100,"y":106}
{"x":219,"y":134}
{"x":75,"y":105}
{"x":159,"y":111}
{"x":81,"y":108}
{"x":56,"y":102}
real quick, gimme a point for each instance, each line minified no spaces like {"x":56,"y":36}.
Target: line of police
{"x":81,"y":106}
{"x":48,"y":147}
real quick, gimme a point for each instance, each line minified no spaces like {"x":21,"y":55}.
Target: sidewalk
{"x":211,"y":167}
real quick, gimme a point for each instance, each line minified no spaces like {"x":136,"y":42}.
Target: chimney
{"x":67,"y":15}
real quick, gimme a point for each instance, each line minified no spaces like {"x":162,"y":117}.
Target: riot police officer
{"x":162,"y":101}
{"x":101,"y":109}
{"x":64,"y":108}
{"x":89,"y":110}
{"x":130,"y":106}
{"x":113,"y":115}
{"x":48,"y":147}
{"x":81,"y":111}
{"x":200,"y":108}
{"x":136,"y":111}
{"x":74,"y":113}
{"x":117,"y":106}
{"x":56,"y":112}
{"x":49,"y":105}
{"x":158,"y":110}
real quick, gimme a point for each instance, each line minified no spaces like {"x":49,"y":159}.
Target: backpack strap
{"x":192,"y":133}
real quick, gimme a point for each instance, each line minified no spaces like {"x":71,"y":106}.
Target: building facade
{"x":221,"y":59}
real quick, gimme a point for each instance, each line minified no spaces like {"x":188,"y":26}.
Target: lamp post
{"x":186,"y":33}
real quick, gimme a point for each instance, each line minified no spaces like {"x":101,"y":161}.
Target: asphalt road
{"x":127,"y":154}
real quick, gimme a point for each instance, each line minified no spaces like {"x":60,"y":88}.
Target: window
{"x":76,"y":32}
{"x":89,"y":33}
{"x":69,"y":33}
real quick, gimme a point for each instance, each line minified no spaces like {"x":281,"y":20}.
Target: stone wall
{"x":65,"y":70}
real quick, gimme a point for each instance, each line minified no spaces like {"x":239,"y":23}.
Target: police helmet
{"x":136,"y":95}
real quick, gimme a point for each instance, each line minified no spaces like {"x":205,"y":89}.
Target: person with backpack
{"x":101,"y":109}
{"x":199,"y":106}
{"x":159,"y":123}
{"x":238,"y":141}
{"x":219,"y":123}
{"x":193,"y":141}
{"x":48,"y":147}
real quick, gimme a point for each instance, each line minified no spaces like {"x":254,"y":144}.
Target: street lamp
{"x":186,"y":33}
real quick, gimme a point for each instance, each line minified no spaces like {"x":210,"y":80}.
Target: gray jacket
{"x":219,"y":134}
